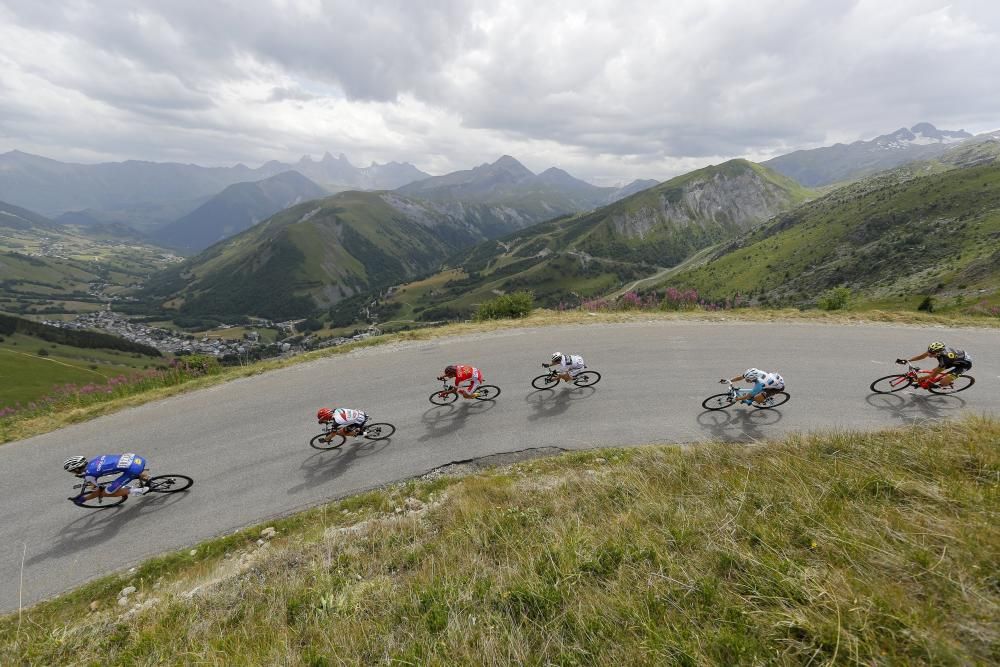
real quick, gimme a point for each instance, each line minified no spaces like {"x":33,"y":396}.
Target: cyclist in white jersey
{"x":568,"y":366}
{"x":764,"y":385}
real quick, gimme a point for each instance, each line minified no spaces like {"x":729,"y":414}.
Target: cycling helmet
{"x":324,"y":415}
{"x":557,"y":356}
{"x":75,"y":463}
{"x":751,"y":374}
{"x":450,"y":371}
{"x":935,"y":347}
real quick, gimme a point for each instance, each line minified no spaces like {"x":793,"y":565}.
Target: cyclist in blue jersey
{"x":130,"y":466}
{"x":764,"y":385}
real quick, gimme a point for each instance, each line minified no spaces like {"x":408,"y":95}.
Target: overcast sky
{"x":609,"y":91}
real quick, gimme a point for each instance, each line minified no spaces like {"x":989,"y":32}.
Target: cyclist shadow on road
{"x":99,"y":526}
{"x":740,"y":426}
{"x":444,"y":419}
{"x":548,"y":403}
{"x":916,"y":408}
{"x":330,"y":464}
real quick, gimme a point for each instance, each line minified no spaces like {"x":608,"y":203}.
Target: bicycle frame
{"x":913,"y":374}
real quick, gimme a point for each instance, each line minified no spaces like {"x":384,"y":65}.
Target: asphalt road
{"x":245,"y":442}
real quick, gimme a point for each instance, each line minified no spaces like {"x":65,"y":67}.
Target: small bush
{"x":927,"y":305}
{"x":42,"y":352}
{"x":835,"y":299}
{"x":309,"y":324}
{"x":511,"y":306}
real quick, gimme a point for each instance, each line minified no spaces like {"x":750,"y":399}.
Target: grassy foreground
{"x":20,"y":427}
{"x":879,"y":548}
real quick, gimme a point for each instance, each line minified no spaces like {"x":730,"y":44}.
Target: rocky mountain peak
{"x":511,"y":165}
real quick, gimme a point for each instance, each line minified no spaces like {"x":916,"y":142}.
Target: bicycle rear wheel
{"x":381,"y":431}
{"x":320,"y":442}
{"x":961,"y":383}
{"x":772,"y":401}
{"x":718,"y":402}
{"x":169,"y":483}
{"x":443,"y":397}
{"x":587,"y":379}
{"x":546,"y":381}
{"x":487,"y":392}
{"x":891,"y":383}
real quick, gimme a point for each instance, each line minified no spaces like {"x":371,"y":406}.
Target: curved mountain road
{"x":245,"y":442}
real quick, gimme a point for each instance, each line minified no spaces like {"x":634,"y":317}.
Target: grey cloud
{"x":450,"y":82}
{"x":280,"y":94}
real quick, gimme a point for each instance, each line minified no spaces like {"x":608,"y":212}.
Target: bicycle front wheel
{"x":487,"y":392}
{"x":380,"y":431}
{"x":718,"y":402}
{"x":587,"y":379}
{"x":891,"y":383}
{"x":961,"y":383}
{"x":772,"y":401}
{"x":546,"y":381}
{"x":443,"y":397}
{"x":102,"y":503}
{"x":169,"y":483}
{"x":321,"y":442}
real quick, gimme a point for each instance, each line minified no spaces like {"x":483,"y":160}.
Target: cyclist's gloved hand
{"x":901,"y":362}
{"x":545,"y":365}
{"x":723,"y":381}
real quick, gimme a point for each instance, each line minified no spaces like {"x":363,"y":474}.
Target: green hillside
{"x":305,"y":258}
{"x":34,"y":359}
{"x":893,"y":239}
{"x":51,"y":268}
{"x":574,"y":257}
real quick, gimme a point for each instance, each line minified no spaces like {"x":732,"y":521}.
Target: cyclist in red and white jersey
{"x":347,"y":422}
{"x":467,"y":378}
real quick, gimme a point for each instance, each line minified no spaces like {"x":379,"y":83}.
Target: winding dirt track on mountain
{"x":245,"y":442}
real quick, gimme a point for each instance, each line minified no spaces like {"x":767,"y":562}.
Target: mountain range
{"x":315,"y":254}
{"x":841,"y":163}
{"x":591,"y":253}
{"x":158,"y":193}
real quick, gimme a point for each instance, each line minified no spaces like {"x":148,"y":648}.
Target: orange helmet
{"x":324,"y":415}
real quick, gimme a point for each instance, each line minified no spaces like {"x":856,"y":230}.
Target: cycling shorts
{"x":960,"y":367}
{"x":471,"y":384}
{"x":130,"y":475}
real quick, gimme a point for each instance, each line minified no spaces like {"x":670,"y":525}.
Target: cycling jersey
{"x":129,"y":465}
{"x":469,"y":375}
{"x":570,"y":363}
{"x":949,"y":357}
{"x":345,"y":417}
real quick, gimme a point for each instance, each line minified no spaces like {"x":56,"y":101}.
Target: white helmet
{"x":557,"y":356}
{"x":74,"y":463}
{"x":752,"y":374}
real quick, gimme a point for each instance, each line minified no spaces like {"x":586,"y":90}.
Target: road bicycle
{"x":585,"y":379}
{"x":158,"y":484}
{"x":330,"y":439}
{"x":919,"y":377}
{"x":448,"y":395}
{"x":736,"y":394}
